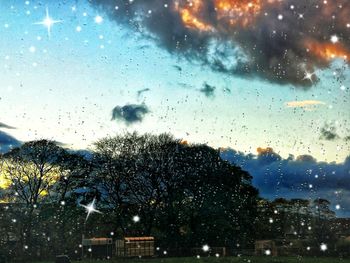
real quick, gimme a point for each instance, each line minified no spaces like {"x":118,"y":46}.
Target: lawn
{"x":224,"y":260}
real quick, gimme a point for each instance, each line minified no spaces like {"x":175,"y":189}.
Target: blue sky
{"x":64,"y":87}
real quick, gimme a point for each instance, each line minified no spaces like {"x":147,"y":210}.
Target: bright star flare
{"x":48,"y":22}
{"x":91,"y":208}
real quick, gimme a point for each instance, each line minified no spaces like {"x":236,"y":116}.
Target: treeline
{"x":185,"y":196}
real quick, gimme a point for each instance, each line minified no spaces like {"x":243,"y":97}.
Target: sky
{"x":241,"y":76}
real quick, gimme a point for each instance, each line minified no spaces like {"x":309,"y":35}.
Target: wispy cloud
{"x":142,"y":91}
{"x":4,"y":125}
{"x":306,"y":104}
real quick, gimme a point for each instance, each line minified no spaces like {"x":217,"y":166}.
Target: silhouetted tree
{"x":184,"y":193}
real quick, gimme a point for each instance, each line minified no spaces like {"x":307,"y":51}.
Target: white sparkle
{"x":308,"y":76}
{"x":334,"y":39}
{"x":323,"y":247}
{"x":337,"y":207}
{"x":90,"y":208}
{"x":98,"y":19}
{"x":280,"y":17}
{"x":268,"y":252}
{"x":205,"y":248}
{"x":48,"y":22}
{"x":136,"y":219}
{"x":32,"y":49}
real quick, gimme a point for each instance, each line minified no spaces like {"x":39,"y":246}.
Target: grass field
{"x":225,"y":260}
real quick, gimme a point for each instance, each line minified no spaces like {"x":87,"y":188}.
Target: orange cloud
{"x":231,"y":12}
{"x":190,"y":15}
{"x":184,"y":142}
{"x":328,"y":51}
{"x":237,"y":12}
{"x":264,"y":150}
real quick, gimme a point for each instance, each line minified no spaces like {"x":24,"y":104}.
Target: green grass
{"x":224,"y":260}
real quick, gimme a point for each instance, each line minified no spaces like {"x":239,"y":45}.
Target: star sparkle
{"x":91,"y":208}
{"x":308,"y":76}
{"x":48,"y":22}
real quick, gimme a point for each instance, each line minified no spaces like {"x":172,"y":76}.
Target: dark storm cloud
{"x":329,"y":132}
{"x":7,"y":142}
{"x":130,"y":113}
{"x":301,"y":177}
{"x":274,"y":40}
{"x":208,"y":90}
{"x":5,"y":126}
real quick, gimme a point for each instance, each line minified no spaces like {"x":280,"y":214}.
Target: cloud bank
{"x":278,"y":41}
{"x":7,"y":142}
{"x":300,"y":177}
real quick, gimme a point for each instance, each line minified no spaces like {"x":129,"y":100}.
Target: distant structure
{"x":98,"y":248}
{"x":135,"y":247}
{"x":265,"y":247}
